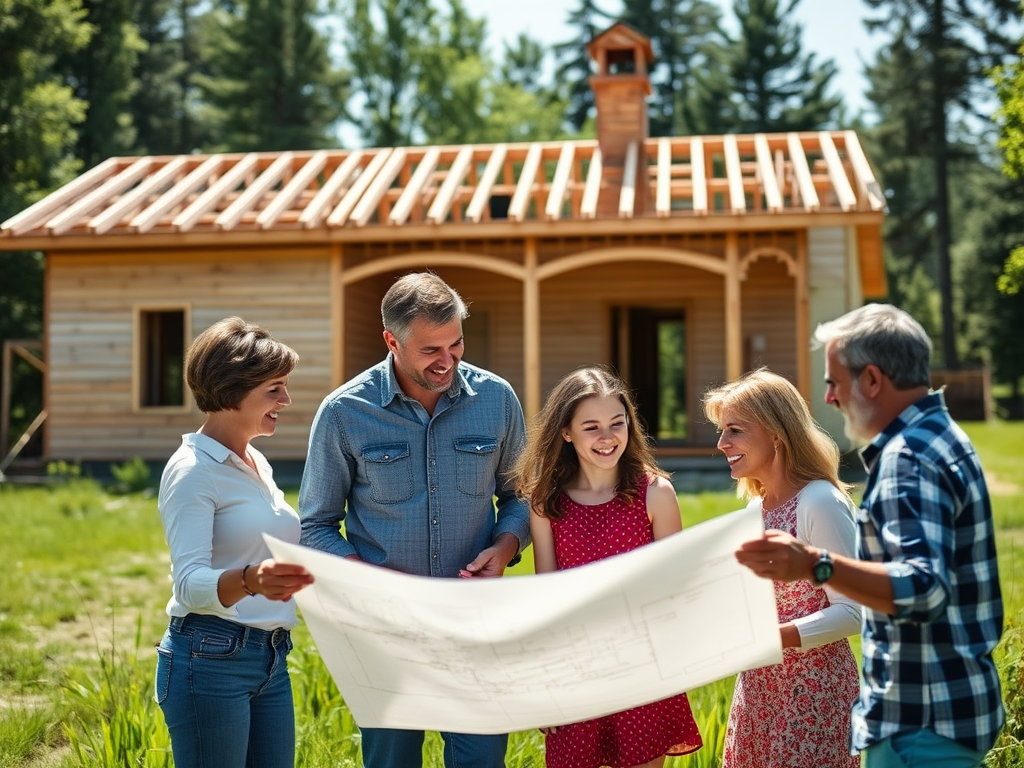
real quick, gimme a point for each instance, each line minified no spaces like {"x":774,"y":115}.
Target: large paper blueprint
{"x":503,"y":655}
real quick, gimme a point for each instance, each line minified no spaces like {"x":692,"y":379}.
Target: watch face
{"x":822,"y":571}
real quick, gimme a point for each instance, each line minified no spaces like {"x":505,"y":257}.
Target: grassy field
{"x":84,"y":581}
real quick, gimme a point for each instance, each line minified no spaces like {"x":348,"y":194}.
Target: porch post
{"x":733,"y":314}
{"x":337,"y":337}
{"x":803,"y":321}
{"x":531,"y":330}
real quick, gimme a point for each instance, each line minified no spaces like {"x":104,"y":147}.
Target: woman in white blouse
{"x":796,"y":713}
{"x":222,"y":677}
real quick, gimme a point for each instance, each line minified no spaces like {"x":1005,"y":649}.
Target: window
{"x":161,"y":358}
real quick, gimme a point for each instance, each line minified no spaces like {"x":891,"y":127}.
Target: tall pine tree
{"x":573,"y":68}
{"x":775,"y":85}
{"x":272,"y":85}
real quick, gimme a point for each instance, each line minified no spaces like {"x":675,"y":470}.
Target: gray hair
{"x":882,"y":335}
{"x":420,"y":295}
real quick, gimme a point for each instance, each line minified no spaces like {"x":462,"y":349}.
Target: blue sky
{"x":832,"y":28}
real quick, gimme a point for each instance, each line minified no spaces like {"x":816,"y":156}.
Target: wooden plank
{"x":663,"y":199}
{"x":403,"y":206}
{"x":378,"y":187}
{"x":71,"y":215}
{"x":553,"y":209}
{"x":836,"y":172}
{"x":298,"y":184}
{"x":802,"y":171}
{"x":698,"y":175}
{"x":438,"y":211}
{"x":114,"y":213}
{"x":185,"y":220}
{"x":327,"y":195}
{"x":233,"y":214}
{"x":592,"y":190}
{"x":148,"y":218}
{"x":348,"y":203}
{"x":627,"y":194}
{"x":475,"y":210}
{"x":734,"y":174}
{"x":42,"y":210}
{"x":527,"y":179}
{"x":870,"y":191}
{"x":766,"y":170}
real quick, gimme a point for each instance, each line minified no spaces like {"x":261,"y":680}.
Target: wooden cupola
{"x":621,"y":87}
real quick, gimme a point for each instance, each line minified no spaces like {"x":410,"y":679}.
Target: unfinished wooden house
{"x":682,"y":261}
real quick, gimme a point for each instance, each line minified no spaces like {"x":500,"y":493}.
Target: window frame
{"x":138,"y":357}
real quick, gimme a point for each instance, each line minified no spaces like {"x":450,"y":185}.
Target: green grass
{"x":85,"y":581}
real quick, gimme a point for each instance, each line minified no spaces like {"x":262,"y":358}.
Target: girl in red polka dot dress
{"x":595,"y":491}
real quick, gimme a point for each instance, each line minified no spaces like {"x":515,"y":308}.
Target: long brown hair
{"x":761,"y":397}
{"x":548,"y":463}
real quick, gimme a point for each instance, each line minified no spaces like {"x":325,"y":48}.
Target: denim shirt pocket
{"x":475,"y":465}
{"x":389,"y":472}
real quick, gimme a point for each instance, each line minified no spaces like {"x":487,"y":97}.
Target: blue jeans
{"x":920,"y":748}
{"x":225,"y":694}
{"x":391,"y":748}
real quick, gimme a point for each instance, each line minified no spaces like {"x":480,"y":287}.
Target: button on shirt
{"x":215,"y":510}
{"x":419,"y":488}
{"x":926,"y":514}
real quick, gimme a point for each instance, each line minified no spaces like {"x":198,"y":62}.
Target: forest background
{"x":84,"y":80}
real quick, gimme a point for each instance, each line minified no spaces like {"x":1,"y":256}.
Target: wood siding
{"x":92,"y":303}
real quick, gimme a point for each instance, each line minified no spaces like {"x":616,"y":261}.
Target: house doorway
{"x":649,"y":351}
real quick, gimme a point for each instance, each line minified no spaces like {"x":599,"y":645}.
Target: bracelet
{"x":245,"y":586}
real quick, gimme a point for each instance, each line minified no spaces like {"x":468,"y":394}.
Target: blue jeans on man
{"x":392,"y":748}
{"x":920,"y":748}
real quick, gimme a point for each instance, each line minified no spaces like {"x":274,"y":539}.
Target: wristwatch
{"x":823,"y":568}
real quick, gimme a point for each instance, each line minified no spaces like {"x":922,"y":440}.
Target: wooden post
{"x":803,"y":320}
{"x":531,"y":330}
{"x":733,"y":312}
{"x":338,"y":341}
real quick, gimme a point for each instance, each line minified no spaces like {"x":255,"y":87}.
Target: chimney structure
{"x":621,"y":87}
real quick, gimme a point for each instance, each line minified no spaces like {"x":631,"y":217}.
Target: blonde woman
{"x":795,"y":714}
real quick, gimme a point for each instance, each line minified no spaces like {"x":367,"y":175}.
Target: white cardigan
{"x":824,"y":519}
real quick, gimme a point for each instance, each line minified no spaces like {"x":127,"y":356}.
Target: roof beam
{"x":185,"y":220}
{"x":70,"y":216}
{"x":43,"y":209}
{"x":836,"y":172}
{"x":378,"y":187}
{"x":403,"y":207}
{"x":663,"y":200}
{"x":559,"y":185}
{"x":866,"y":183}
{"x":698,"y":175}
{"x":329,"y":192}
{"x":438,"y":211}
{"x":148,"y":218}
{"x":300,"y":181}
{"x":627,"y":194}
{"x":475,"y":211}
{"x":766,"y":170}
{"x":734,"y":174}
{"x":592,"y":190}
{"x":233,"y":214}
{"x":113,"y":214}
{"x":802,"y":171}
{"x":524,"y":189}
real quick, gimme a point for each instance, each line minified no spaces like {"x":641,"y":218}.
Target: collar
{"x":930,"y":403}
{"x":216,"y":451}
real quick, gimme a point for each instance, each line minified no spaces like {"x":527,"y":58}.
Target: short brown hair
{"x":420,"y":295}
{"x":230,"y":359}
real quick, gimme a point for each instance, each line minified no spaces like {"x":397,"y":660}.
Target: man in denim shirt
{"x":926,"y":570}
{"x":409,"y":454}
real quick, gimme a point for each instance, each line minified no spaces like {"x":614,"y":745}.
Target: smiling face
{"x":748,"y":446}
{"x":425,"y":363}
{"x":599,"y":431}
{"x":258,"y":410}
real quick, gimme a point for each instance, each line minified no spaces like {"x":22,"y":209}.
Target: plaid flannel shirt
{"x":926,"y":514}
